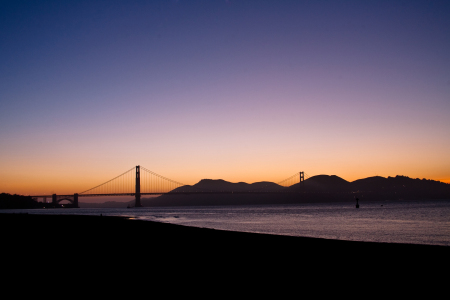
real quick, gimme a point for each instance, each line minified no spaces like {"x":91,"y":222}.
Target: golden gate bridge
{"x":139,"y":181}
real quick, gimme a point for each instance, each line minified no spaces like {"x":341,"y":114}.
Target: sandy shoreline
{"x":99,"y":240}
{"x":75,"y":226}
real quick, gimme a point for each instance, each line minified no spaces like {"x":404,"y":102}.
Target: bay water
{"x":412,"y":222}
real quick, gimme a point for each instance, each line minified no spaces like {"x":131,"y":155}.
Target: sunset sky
{"x":237,"y":90}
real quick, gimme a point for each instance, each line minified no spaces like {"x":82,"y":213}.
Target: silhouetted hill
{"x":320,"y":188}
{"x":220,"y":185}
{"x":322,"y":183}
{"x":400,"y":187}
{"x":8,"y":201}
{"x":369,"y":183}
{"x":329,"y":180}
{"x":217,"y":192}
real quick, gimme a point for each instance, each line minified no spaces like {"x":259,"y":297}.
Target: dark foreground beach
{"x":116,"y":245}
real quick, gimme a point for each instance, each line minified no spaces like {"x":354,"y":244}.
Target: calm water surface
{"x":417,"y":222}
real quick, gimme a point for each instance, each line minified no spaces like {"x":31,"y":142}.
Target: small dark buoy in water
{"x":357,"y":204}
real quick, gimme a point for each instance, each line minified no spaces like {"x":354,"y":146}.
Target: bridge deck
{"x":172,"y":193}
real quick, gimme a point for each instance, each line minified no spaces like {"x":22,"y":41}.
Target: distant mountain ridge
{"x":220,"y":185}
{"x":319,"y":188}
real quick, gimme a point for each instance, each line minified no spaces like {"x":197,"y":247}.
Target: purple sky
{"x":238,"y":90}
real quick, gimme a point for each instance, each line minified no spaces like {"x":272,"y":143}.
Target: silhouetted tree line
{"x":8,"y":201}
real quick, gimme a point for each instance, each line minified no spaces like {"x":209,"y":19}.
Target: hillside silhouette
{"x":8,"y":201}
{"x":320,"y":188}
{"x":220,"y":185}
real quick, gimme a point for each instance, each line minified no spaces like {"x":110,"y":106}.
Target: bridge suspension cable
{"x":130,"y":183}
{"x":122,"y":184}
{"x":290,"y":180}
{"x":153,"y":183}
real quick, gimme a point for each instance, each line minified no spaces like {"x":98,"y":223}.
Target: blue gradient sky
{"x":238,"y":90}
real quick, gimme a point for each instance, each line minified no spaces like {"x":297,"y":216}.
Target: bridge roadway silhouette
{"x":129,"y":184}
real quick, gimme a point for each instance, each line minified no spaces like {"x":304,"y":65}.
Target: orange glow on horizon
{"x":259,"y":100}
{"x":76,"y":183}
{"x":446,"y":180}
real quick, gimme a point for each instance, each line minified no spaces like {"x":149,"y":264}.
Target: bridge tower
{"x":302,"y":177}
{"x":138,"y":188}
{"x":75,"y":200}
